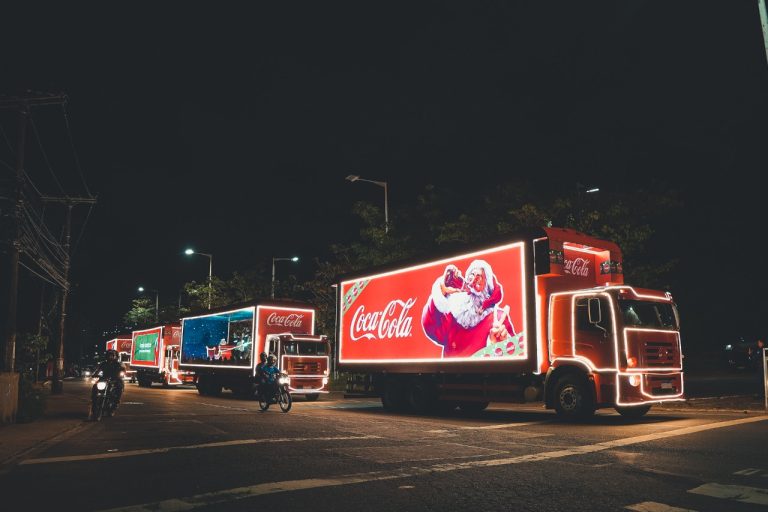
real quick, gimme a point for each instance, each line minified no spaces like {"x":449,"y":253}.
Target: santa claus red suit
{"x":461,"y":313}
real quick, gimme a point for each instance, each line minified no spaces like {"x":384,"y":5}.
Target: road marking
{"x":748,"y":471}
{"x":238,"y":442}
{"x":504,"y":425}
{"x":652,"y":506}
{"x":238,"y":493}
{"x":740,"y":493}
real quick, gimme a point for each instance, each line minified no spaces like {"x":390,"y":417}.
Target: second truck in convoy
{"x":155,"y":356}
{"x":222,"y":347}
{"x":546,"y":316}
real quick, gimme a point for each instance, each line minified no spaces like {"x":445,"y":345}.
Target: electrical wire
{"x":82,"y":231}
{"x":37,"y":274}
{"x":72,"y":144}
{"x":5,"y":136}
{"x":45,"y":156}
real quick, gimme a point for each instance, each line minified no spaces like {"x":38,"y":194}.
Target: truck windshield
{"x":653,"y":315}
{"x":305,"y":348}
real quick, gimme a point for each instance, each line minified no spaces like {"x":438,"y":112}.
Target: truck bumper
{"x":638,"y":388}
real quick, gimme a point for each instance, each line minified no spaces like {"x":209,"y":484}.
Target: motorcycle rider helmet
{"x":111,"y":354}
{"x":263,"y":357}
{"x":271,"y":359}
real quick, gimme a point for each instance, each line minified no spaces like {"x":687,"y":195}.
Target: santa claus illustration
{"x":462,"y":313}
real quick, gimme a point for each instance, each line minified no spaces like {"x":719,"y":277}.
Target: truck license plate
{"x":666,"y":385}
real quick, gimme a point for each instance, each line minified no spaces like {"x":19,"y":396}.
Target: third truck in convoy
{"x":546,"y":316}
{"x":222,"y":347}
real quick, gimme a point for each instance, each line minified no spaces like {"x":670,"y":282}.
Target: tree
{"x":141,"y":314}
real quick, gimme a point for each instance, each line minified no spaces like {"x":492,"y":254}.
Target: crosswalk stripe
{"x":652,"y":506}
{"x":741,"y":493}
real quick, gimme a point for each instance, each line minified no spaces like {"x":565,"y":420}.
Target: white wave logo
{"x":393,"y":322}
{"x":292,"y":320}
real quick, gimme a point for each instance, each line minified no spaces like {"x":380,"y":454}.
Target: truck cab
{"x":306,"y":360}
{"x":613,"y":346}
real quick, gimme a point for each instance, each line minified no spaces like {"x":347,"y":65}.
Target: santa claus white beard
{"x":467,"y":308}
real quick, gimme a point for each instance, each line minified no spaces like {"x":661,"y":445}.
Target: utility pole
{"x":57,"y":386}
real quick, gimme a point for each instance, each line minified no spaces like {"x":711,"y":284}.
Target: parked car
{"x":745,"y":355}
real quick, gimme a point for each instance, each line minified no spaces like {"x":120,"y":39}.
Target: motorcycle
{"x":281,"y":396}
{"x":104,"y":397}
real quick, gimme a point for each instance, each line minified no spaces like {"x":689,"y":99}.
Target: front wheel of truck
{"x":573,"y":401}
{"x":633,"y":412}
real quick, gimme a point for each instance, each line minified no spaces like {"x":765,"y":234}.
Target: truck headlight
{"x":325,"y":381}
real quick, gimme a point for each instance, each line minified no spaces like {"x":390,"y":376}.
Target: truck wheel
{"x":393,"y":398}
{"x":471,"y":407}
{"x":633,"y":412}
{"x":145,"y":382}
{"x":421,"y":397}
{"x":201,"y":387}
{"x":572,"y":398}
{"x":311,"y":397}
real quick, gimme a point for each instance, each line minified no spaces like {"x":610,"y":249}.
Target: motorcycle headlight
{"x":284,"y":380}
{"x":101,"y":386}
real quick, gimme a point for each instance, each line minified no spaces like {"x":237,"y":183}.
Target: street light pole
{"x":354,"y":177}
{"x":294,"y":259}
{"x":157,"y":302}
{"x":210,"y":271}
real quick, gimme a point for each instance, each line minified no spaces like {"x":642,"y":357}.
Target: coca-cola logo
{"x":578,"y":267}
{"x":393,"y":321}
{"x":291,"y":320}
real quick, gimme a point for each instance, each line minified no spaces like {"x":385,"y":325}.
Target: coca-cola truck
{"x":155,"y":356}
{"x":545,"y":316}
{"x":122,"y":345}
{"x":223,"y":346}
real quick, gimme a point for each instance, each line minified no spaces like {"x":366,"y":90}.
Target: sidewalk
{"x":65,"y":414}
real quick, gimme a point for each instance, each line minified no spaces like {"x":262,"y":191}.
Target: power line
{"x":45,"y":156}
{"x":7,"y":142}
{"x":82,"y":230}
{"x":37,"y":274}
{"x":72,"y":144}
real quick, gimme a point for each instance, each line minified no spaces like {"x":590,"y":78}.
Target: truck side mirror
{"x":595,"y":314}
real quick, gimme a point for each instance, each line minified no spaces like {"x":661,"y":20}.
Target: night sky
{"x":231,"y":129}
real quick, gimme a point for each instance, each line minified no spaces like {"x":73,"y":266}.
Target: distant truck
{"x":545,"y":316}
{"x":123,"y":345}
{"x":155,"y":356}
{"x":222,"y":347}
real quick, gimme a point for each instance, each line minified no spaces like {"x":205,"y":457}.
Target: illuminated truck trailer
{"x":123,"y":345}
{"x":545,"y":316}
{"x":155,"y":356}
{"x":223,"y":346}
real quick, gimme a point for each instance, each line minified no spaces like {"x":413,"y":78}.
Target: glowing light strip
{"x":142,"y":364}
{"x":567,"y":245}
{"x":654,"y":369}
{"x":438,"y":262}
{"x":521,"y":357}
{"x":655,"y":400}
{"x":539,"y":334}
{"x":665,"y":297}
{"x":253,"y":330}
{"x":574,"y":295}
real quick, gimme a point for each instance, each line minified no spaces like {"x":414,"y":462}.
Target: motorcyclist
{"x":271,"y":373}
{"x":261,"y":378}
{"x":110,"y":369}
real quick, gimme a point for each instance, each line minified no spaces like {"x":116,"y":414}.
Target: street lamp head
{"x":352,"y":177}
{"x":592,"y":190}
{"x":189,"y":251}
{"x":141,"y":288}
{"x":295,"y":259}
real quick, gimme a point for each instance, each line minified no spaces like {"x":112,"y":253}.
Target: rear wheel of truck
{"x":472,"y":407}
{"x":633,"y":412}
{"x":311,"y":397}
{"x":394,"y":398}
{"x":422,"y":397}
{"x":145,"y":382}
{"x":573,"y":401}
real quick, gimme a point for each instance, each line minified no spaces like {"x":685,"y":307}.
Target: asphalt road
{"x":172,"y":450}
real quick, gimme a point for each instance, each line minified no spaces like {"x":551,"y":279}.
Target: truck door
{"x":173,"y":365}
{"x":593,"y":331}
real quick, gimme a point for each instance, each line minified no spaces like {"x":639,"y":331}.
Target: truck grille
{"x":660,"y":354}
{"x":306,"y":368}
{"x":661,"y":385}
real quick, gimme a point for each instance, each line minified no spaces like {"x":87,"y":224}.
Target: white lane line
{"x":504,"y":425}
{"x":740,"y":493}
{"x":748,"y":471}
{"x":133,"y":453}
{"x":238,"y":493}
{"x":652,"y":506}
